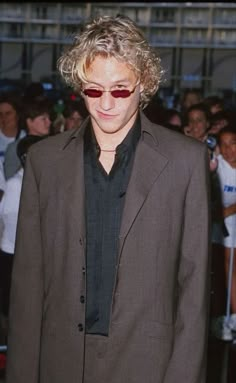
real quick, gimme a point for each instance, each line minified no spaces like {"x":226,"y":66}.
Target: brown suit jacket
{"x":158,"y":326}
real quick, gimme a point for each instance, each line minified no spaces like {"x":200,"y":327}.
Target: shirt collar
{"x":128,"y":144}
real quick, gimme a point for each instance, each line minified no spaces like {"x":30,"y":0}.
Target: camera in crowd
{"x":211,"y":142}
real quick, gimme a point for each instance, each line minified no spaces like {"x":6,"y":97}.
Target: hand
{"x":213,"y":163}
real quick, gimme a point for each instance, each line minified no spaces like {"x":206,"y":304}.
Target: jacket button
{"x":82,"y":299}
{"x":83,"y":270}
{"x":80,"y":327}
{"x":80,"y":241}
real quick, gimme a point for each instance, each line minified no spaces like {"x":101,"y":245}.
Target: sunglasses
{"x":118,"y":93}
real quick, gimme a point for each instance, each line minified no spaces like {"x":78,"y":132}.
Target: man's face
{"x":228,"y":148}
{"x":74,"y":121}
{"x":8,"y":118}
{"x":112,"y":115}
{"x":197,"y":125}
{"x":40,"y":125}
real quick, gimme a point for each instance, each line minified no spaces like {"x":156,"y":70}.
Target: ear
{"x":186,"y":131}
{"x":28,"y":121}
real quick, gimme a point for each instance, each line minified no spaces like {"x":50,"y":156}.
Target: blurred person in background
{"x":10,"y":122}
{"x":189,"y":98}
{"x":36,"y":115}
{"x":219,"y":120}
{"x":73,"y":114}
{"x":197,"y":123}
{"x":224,"y":227}
{"x":214,"y":103}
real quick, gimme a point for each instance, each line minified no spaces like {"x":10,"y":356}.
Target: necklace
{"x":108,"y":151}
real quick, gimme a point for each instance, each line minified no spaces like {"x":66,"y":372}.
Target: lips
{"x":105,"y":115}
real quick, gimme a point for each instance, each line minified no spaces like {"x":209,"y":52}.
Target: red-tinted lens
{"x":93,"y":93}
{"x":123,"y":93}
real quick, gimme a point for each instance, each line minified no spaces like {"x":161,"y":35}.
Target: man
{"x":36,"y":117}
{"x":198,"y":122}
{"x":110,"y":280}
{"x":10,"y":128}
{"x":73,"y":114}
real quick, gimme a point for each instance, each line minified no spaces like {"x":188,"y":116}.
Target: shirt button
{"x":80,"y":327}
{"x":83,"y":270}
{"x":82,"y":299}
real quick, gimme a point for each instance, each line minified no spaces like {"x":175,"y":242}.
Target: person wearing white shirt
{"x":224,"y":327}
{"x":9,"y":122}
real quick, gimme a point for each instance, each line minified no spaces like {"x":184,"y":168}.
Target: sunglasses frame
{"x":117,"y":93}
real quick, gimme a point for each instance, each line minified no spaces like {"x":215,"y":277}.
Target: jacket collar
{"x":146,"y":131}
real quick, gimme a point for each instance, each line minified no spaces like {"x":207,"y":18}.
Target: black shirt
{"x":104,"y":196}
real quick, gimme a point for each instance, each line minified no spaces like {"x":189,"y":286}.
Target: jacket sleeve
{"x":26,"y":298}
{"x":188,"y":360}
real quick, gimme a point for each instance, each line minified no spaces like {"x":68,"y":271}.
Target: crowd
{"x":210,"y":121}
{"x":25,"y":121}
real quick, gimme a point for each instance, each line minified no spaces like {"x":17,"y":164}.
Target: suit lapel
{"x":149,"y":163}
{"x":72,"y":169}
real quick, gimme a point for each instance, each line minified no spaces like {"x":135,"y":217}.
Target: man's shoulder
{"x":50,"y":144}
{"x":49,"y":152}
{"x":171,"y":142}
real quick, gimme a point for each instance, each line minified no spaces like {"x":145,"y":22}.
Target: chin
{"x":109,"y":127}
{"x":110,"y":131}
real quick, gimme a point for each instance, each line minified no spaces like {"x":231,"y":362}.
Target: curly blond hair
{"x":116,"y":37}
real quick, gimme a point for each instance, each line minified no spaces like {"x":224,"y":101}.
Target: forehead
{"x":109,"y":69}
{"x":227,"y":136}
{"x":74,"y":113}
{"x":5,"y":107}
{"x":197,"y":113}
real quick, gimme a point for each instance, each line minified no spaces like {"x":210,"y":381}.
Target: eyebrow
{"x":123,"y":81}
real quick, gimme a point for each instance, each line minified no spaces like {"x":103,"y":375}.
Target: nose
{"x":107,"y":102}
{"x":194,"y":123}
